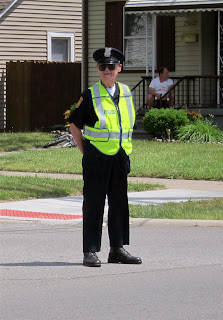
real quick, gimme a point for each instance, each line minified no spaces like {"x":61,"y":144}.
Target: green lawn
{"x":178,"y":160}
{"x":23,"y":140}
{"x":148,"y":159}
{"x":23,"y":188}
{"x":201,"y":210}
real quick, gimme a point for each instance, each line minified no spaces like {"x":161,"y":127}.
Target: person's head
{"x":163,"y":73}
{"x":109,"y":64}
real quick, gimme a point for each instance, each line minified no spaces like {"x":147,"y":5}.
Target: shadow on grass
{"x":19,"y":188}
{"x":23,"y":140}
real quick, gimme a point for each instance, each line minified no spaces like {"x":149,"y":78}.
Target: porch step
{"x":142,"y":112}
{"x":139,"y":132}
{"x":139,"y":124}
{"x":141,"y":135}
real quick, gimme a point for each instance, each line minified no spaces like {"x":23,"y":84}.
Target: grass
{"x":149,"y":158}
{"x":24,"y":188}
{"x":201,"y":161}
{"x":58,"y":160}
{"x":200,"y":210}
{"x":23,"y":140}
{"x":177,"y":160}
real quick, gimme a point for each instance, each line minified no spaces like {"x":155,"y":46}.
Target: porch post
{"x":220,"y":58}
{"x":147,"y":50}
{"x":153,"y":44}
{"x":218,"y":61}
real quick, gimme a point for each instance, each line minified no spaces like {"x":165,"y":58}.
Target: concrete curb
{"x":138,"y":222}
{"x":134,"y":222}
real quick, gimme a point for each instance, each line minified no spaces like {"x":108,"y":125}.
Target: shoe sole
{"x":91,"y":265}
{"x":124,"y":262}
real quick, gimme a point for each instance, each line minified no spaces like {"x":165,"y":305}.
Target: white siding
{"x":188,"y":54}
{"x":96,"y":35}
{"x":23,"y":33}
{"x":97,"y":40}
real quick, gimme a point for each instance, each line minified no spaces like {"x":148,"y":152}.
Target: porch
{"x":199,"y":93}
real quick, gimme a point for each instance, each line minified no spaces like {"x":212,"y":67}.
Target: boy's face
{"x":109,"y":75}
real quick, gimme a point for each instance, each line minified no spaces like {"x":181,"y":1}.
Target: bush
{"x":157,"y":121}
{"x":201,"y":130}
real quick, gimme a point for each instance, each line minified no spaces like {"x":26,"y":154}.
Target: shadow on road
{"x":40,"y":264}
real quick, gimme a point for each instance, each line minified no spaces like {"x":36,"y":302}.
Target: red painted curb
{"x":38,"y":215}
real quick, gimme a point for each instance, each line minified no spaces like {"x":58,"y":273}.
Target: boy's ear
{"x":120,"y":68}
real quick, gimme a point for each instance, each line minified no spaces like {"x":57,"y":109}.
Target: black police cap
{"x":108,"y":56}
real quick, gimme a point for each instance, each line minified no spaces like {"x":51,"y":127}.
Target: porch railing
{"x":189,"y":92}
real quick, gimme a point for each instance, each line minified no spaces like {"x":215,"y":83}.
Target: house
{"x":184,"y":35}
{"x":38,"y":30}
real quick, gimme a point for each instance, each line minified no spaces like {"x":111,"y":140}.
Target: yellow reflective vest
{"x":114,"y":127}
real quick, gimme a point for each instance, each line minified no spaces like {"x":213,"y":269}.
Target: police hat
{"x":108,"y":56}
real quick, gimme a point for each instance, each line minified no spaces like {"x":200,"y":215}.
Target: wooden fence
{"x":38,"y":93}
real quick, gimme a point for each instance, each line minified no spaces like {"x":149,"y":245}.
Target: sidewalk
{"x":70,"y":208}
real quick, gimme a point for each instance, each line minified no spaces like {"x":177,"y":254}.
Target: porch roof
{"x":169,"y":6}
{"x":5,"y":5}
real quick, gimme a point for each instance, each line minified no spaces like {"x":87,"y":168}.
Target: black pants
{"x":104,"y":175}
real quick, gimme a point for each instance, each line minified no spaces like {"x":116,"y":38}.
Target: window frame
{"x":114,"y":35}
{"x":61,"y":35}
{"x":127,"y":67}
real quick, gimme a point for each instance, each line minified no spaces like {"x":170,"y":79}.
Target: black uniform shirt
{"x":84,"y":114}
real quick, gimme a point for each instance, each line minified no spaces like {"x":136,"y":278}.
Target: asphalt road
{"x":42,"y":276}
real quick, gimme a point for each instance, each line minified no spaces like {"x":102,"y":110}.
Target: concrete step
{"x":139,"y":124}
{"x":142,"y":112}
{"x":141,"y":134}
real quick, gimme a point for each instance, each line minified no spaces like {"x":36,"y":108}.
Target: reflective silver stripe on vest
{"x":127,"y":96}
{"x":106,"y":135}
{"x":100,"y":109}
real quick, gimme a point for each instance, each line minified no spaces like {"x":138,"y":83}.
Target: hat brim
{"x":110,"y":60}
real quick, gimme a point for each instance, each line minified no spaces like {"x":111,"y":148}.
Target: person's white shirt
{"x":111,"y":90}
{"x":161,"y":87}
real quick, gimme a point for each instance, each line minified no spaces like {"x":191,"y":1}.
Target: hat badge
{"x":107,"y":53}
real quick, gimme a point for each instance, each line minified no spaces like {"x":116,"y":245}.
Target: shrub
{"x":201,"y":130}
{"x":157,"y":121}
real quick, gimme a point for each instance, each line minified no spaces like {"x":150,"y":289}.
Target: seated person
{"x":159,"y":86}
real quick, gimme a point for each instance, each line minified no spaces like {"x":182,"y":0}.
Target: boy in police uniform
{"x":106,"y":114}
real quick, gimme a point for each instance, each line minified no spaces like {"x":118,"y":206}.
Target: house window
{"x":137,"y":36}
{"x":60,"y":47}
{"x":133,"y":35}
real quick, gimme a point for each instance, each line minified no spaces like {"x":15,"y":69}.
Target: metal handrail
{"x":189,"y":91}
{"x":173,"y":87}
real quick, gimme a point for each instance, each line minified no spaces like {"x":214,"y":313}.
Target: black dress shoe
{"x":91,"y":260}
{"x":120,"y":255}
